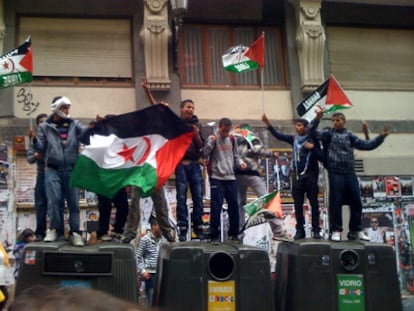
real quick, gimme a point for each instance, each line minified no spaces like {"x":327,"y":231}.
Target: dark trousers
{"x":220,"y":190}
{"x":120,"y":201}
{"x":344,"y":189}
{"x":189,"y":174}
{"x":40,"y":204}
{"x":306,"y":184}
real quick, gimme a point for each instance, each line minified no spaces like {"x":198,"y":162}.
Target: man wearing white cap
{"x":58,"y":138}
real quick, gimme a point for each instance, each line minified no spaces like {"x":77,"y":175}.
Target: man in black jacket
{"x":188,"y":172}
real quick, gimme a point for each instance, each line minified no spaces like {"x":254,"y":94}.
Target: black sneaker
{"x":316,"y":235}
{"x":300,"y":234}
{"x":352,"y":236}
{"x":39,"y":238}
{"x":199,"y":233}
{"x":182,"y":236}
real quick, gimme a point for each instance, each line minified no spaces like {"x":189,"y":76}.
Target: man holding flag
{"x":338,"y":145}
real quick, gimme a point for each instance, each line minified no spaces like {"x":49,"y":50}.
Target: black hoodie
{"x":194,"y":152}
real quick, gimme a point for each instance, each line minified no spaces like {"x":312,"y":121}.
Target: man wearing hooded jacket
{"x":188,"y":172}
{"x":59,"y":138}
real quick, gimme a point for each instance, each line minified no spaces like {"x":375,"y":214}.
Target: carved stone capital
{"x":310,"y":10}
{"x":155,"y":6}
{"x":312,"y":30}
{"x":156,"y":24}
{"x":155,"y":34}
{"x":310,"y":42}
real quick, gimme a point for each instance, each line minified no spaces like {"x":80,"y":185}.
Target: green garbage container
{"x":347,"y":276}
{"x":212,"y":277}
{"x":108,"y":267}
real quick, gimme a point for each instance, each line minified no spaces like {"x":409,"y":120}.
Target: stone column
{"x":2,"y":26}
{"x":310,"y":42}
{"x":155,"y":34}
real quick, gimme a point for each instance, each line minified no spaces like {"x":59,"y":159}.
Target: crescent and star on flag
{"x":128,"y":152}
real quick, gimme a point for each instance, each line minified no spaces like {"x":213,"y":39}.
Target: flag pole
{"x":262,"y":88}
{"x":30,"y":119}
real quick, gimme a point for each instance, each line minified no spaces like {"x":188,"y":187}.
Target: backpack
{"x":208,"y":159}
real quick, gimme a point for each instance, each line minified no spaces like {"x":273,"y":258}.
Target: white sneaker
{"x":77,"y":240}
{"x":336,"y":236}
{"x":363,"y":236}
{"x":51,"y":235}
{"x":106,"y":238}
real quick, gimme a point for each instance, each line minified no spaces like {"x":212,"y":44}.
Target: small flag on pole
{"x":335,"y":99}
{"x":16,"y":66}
{"x":264,"y":209}
{"x":242,"y":59}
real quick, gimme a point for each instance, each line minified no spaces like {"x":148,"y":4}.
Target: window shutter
{"x":218,"y":44}
{"x":193,"y":55}
{"x":366,"y":58}
{"x":72,"y":47}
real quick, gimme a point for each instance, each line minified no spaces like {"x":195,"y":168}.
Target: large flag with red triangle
{"x":140,"y":148}
{"x":241,"y":58}
{"x":16,"y":66}
{"x":334,"y":100}
{"x":263,"y":209}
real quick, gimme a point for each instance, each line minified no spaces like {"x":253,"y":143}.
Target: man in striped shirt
{"x":147,"y":256}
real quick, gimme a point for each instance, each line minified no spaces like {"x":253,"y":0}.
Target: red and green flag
{"x":335,"y":99}
{"x":140,"y":148}
{"x":264,"y":209}
{"x":241,"y":58}
{"x":16,"y":66}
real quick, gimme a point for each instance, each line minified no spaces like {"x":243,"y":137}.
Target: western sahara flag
{"x":241,"y":58}
{"x":335,"y":100}
{"x":16,"y":66}
{"x":263,"y":209}
{"x":140,"y":148}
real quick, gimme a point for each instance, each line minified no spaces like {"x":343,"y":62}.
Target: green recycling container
{"x":346,"y":276}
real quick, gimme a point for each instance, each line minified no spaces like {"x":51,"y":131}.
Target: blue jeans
{"x":57,"y":190}
{"x":220,"y":190}
{"x":149,"y":288}
{"x":344,"y":189}
{"x":40,"y":204}
{"x":190,"y":174}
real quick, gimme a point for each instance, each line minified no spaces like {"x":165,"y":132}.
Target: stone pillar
{"x":310,"y":42}
{"x":2,"y":26}
{"x":155,"y":34}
